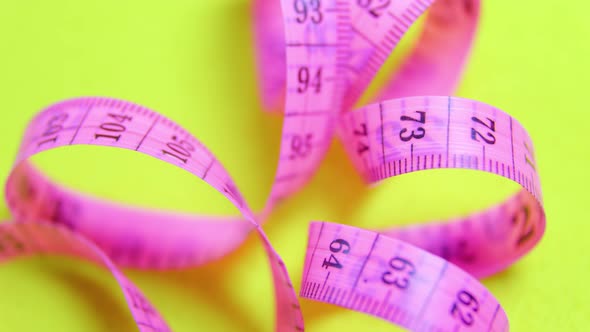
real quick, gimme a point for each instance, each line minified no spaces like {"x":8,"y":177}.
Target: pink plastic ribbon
{"x":331,"y":50}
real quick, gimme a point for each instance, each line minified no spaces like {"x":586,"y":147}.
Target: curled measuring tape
{"x":331,"y":49}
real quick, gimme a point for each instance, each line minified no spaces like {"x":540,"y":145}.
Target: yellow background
{"x":193,"y":61}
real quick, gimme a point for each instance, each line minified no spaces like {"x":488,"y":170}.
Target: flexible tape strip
{"x":306,"y":135}
{"x":288,"y":317}
{"x":433,"y":68}
{"x":315,"y":48}
{"x":184,"y":240}
{"x":391,"y":279}
{"x":418,"y":133}
{"x":436,"y":64}
{"x":124,"y":253}
{"x":385,"y":277}
{"x":94,"y":114}
{"x":270,"y":52}
{"x":305,"y":140}
{"x":22,"y":239}
{"x":83,"y":121}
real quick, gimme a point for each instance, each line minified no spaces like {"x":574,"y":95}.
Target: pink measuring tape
{"x":331,"y":50}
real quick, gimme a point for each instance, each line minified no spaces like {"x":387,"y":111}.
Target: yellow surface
{"x":193,"y":61}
